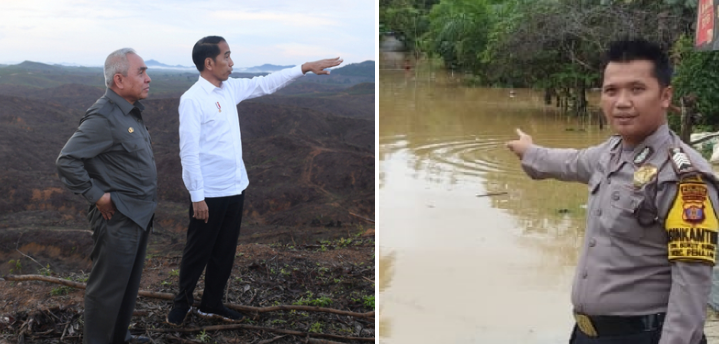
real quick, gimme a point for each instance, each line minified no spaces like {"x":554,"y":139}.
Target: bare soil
{"x":335,"y":273}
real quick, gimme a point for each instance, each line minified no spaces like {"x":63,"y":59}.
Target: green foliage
{"x":316,"y":327}
{"x":698,"y":73}
{"x":16,"y":266}
{"x":309,"y":301}
{"x":203,"y":337}
{"x":62,"y":290}
{"x":46,"y":271}
{"x":368,"y":301}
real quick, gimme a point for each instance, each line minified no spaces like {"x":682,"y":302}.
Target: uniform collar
{"x":208,"y":86}
{"x":123,"y":104}
{"x":648,"y":148}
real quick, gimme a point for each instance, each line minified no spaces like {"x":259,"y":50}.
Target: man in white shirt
{"x":214,"y":172}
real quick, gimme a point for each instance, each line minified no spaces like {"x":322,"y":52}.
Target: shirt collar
{"x":123,"y":104}
{"x":654,"y":140}
{"x":208,"y":86}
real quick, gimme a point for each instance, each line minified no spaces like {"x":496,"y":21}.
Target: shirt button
{"x":584,"y":274}
{"x":615,"y":196}
{"x":592,"y":242}
{"x":598,"y":212}
{"x":609,"y":180}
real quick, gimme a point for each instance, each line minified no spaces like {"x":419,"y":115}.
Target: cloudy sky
{"x":281,"y":32}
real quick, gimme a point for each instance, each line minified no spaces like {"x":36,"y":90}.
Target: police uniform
{"x":644,"y":273}
{"x":111,"y":151}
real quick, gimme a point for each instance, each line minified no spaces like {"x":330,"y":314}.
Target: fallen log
{"x":260,"y":328}
{"x":168,"y":296}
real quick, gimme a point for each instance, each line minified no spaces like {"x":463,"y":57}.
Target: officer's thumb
{"x":521,"y":133}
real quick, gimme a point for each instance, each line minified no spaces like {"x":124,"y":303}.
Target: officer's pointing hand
{"x":520,"y":145}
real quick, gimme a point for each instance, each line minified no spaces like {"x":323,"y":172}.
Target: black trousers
{"x":118,"y":256}
{"x":649,"y":337}
{"x":210,"y":245}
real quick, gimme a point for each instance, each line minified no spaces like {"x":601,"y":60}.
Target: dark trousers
{"x":118,"y":257}
{"x":210,"y":245}
{"x":649,"y":337}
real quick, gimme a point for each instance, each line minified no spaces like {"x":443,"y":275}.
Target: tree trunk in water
{"x":582,"y":100}
{"x":685,"y":131}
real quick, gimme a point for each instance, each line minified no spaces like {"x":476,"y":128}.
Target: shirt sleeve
{"x":190,"y":131}
{"x":92,"y":138}
{"x":561,"y":163}
{"x":690,"y":288}
{"x":263,"y":85}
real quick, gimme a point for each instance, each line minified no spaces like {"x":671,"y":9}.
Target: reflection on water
{"x":386,"y":263}
{"x":481,"y":253}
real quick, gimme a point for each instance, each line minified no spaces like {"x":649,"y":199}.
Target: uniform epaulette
{"x":681,"y":163}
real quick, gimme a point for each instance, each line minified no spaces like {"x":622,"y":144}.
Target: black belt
{"x":604,"y":326}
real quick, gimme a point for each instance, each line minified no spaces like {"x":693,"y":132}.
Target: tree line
{"x":553,"y":45}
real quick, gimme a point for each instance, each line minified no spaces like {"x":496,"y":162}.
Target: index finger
{"x":520,"y":132}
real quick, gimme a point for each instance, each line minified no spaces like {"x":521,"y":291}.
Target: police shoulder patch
{"x":691,"y":223}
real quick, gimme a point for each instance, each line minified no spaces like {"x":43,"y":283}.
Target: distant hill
{"x":365,"y":69}
{"x":265,"y":68}
{"x":153,"y":63}
{"x":166,"y":81}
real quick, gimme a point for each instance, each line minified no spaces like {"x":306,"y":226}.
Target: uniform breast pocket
{"x":620,"y":217}
{"x":132,"y":150}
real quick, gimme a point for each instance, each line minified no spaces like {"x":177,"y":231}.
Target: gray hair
{"x":115,"y":63}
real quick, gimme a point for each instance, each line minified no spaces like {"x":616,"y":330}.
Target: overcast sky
{"x":281,"y":32}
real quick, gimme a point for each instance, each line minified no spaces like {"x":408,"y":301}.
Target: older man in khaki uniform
{"x":644,"y":274}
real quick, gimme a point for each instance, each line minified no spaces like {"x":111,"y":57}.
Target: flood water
{"x":473,"y":250}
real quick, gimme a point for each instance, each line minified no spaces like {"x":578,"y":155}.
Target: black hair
{"x":627,"y":50}
{"x":204,"y":48}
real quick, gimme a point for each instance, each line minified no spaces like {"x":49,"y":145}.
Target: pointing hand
{"x":520,"y":145}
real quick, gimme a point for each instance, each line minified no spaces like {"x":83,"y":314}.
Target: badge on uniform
{"x":130,"y":130}
{"x":219,"y":108}
{"x":644,"y":175}
{"x":643,"y":155}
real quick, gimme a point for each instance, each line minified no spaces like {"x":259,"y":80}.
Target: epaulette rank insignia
{"x":680,"y":161}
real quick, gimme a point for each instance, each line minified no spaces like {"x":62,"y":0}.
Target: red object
{"x":705,"y":22}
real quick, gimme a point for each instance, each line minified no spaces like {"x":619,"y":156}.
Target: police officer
{"x":644,"y":273}
{"x":109,"y":161}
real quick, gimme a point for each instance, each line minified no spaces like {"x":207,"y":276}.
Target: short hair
{"x":204,"y":48}
{"x":627,"y":50}
{"x":115,"y":63}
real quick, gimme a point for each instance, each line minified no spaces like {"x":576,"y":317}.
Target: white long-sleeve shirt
{"x":210,"y":140}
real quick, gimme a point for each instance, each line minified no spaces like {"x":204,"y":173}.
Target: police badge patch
{"x":644,"y":175}
{"x":691,"y":224}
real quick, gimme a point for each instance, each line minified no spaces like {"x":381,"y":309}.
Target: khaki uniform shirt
{"x":111,"y":151}
{"x":624,"y":268}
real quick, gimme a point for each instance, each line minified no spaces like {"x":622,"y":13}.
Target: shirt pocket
{"x":620,"y":217}
{"x":133,"y":150}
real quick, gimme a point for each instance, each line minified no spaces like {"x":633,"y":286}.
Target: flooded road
{"x":477,"y":252}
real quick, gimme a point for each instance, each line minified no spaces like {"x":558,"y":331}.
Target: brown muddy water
{"x":471,"y":249}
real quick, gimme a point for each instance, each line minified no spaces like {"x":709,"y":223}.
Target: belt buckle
{"x":585,"y":325}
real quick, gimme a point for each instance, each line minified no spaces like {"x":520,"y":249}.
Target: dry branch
{"x":260,"y":328}
{"x":168,"y":296}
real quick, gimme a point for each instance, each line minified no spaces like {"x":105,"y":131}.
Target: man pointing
{"x":214,"y":172}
